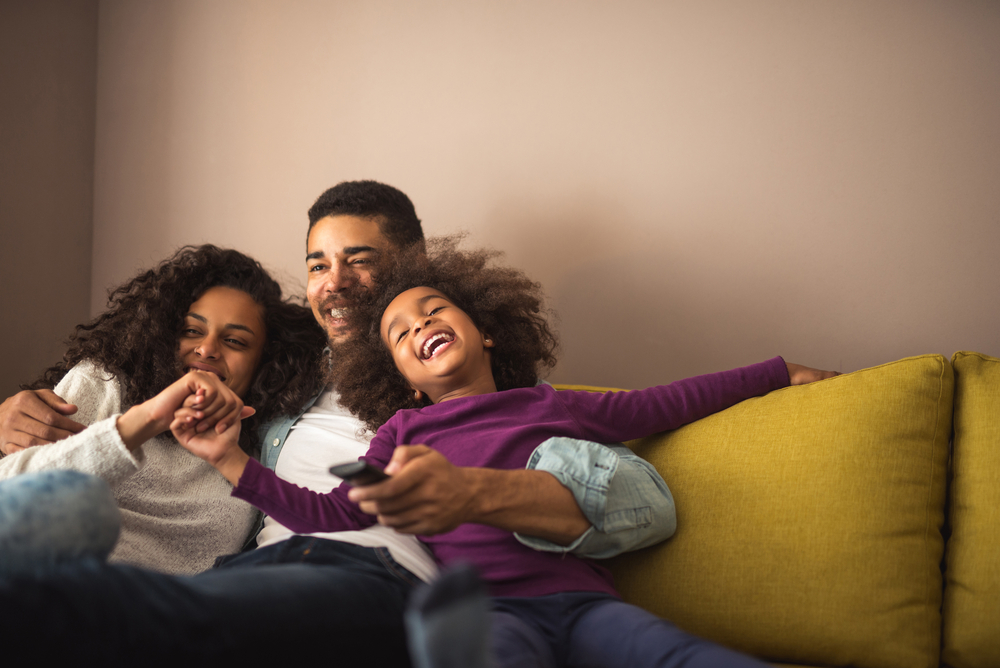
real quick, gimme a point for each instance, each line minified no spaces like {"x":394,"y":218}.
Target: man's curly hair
{"x":501,"y":301}
{"x":136,"y":339}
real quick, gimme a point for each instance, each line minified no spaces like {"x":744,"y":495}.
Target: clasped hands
{"x":194,"y":404}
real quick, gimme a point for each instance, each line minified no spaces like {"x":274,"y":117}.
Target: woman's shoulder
{"x":95,"y":391}
{"x":88,"y":369}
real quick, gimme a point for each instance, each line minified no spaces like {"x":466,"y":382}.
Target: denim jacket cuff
{"x":586,"y":469}
{"x":623,"y":497}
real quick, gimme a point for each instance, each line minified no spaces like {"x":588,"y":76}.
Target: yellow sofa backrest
{"x":809,"y":521}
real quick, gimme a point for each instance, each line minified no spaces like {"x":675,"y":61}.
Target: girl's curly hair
{"x":136,"y":339}
{"x":501,"y":301}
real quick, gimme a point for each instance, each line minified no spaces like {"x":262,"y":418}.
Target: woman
{"x":203,"y":319}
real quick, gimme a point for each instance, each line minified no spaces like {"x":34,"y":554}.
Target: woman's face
{"x":223,"y":333}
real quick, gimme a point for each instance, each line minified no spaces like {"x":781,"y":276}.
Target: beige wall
{"x":698,"y":185}
{"x":48,"y":68}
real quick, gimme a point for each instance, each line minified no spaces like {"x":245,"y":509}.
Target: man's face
{"x":340,"y":257}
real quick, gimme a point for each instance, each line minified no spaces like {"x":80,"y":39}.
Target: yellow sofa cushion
{"x":809,"y":521}
{"x":972,"y":574}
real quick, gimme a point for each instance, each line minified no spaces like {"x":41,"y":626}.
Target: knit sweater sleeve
{"x":98,"y":449}
{"x":622,"y":416}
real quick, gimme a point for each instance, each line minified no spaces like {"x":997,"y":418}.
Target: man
{"x":343,"y":592}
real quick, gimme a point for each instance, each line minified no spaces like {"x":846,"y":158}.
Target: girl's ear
{"x":417,"y":394}
{"x":487,"y":340}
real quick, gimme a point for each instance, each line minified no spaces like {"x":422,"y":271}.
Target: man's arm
{"x":35,"y":417}
{"x":627,"y":503}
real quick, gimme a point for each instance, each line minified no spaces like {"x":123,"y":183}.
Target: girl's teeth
{"x":427,"y":354}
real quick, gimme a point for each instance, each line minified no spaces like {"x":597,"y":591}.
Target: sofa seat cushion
{"x":972,"y":572}
{"x":809,"y":521}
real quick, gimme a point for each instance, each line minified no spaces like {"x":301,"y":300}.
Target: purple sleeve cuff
{"x":778,"y":372}
{"x":251,"y":474}
{"x":298,"y":508}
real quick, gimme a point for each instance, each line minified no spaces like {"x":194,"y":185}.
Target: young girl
{"x":459,"y":343}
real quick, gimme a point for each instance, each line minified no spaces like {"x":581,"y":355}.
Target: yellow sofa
{"x":853,"y":522}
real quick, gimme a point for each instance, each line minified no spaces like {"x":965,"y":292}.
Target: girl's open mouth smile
{"x":435,"y":344}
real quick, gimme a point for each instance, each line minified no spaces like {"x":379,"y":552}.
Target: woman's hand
{"x":218,"y":447}
{"x":213,"y":404}
{"x":800,"y":375}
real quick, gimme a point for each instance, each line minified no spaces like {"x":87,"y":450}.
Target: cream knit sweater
{"x":177,"y":514}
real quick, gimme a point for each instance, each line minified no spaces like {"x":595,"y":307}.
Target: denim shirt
{"x":276,"y":433}
{"x":625,"y":500}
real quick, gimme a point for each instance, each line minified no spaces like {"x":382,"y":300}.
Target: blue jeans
{"x":53,"y":517}
{"x":591,"y":630}
{"x":296,"y":599}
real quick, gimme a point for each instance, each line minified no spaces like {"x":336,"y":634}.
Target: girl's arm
{"x":622,"y":416}
{"x":297,"y":508}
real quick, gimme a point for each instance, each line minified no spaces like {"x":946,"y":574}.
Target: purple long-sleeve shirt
{"x":500,"y":431}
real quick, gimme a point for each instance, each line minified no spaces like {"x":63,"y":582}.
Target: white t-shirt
{"x":328,"y":434}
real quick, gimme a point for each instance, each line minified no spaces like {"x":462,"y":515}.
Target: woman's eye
{"x":237,"y":342}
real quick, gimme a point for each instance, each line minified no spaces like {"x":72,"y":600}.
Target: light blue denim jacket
{"x":626,"y":501}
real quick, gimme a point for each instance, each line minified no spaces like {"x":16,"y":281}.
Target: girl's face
{"x":436,"y":346}
{"x":224,"y":334}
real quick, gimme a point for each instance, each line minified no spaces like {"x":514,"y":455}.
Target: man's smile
{"x":334,"y":311}
{"x":338,"y":316}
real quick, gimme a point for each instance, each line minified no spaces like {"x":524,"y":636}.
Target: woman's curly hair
{"x":136,"y":339}
{"x":501,"y":301}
